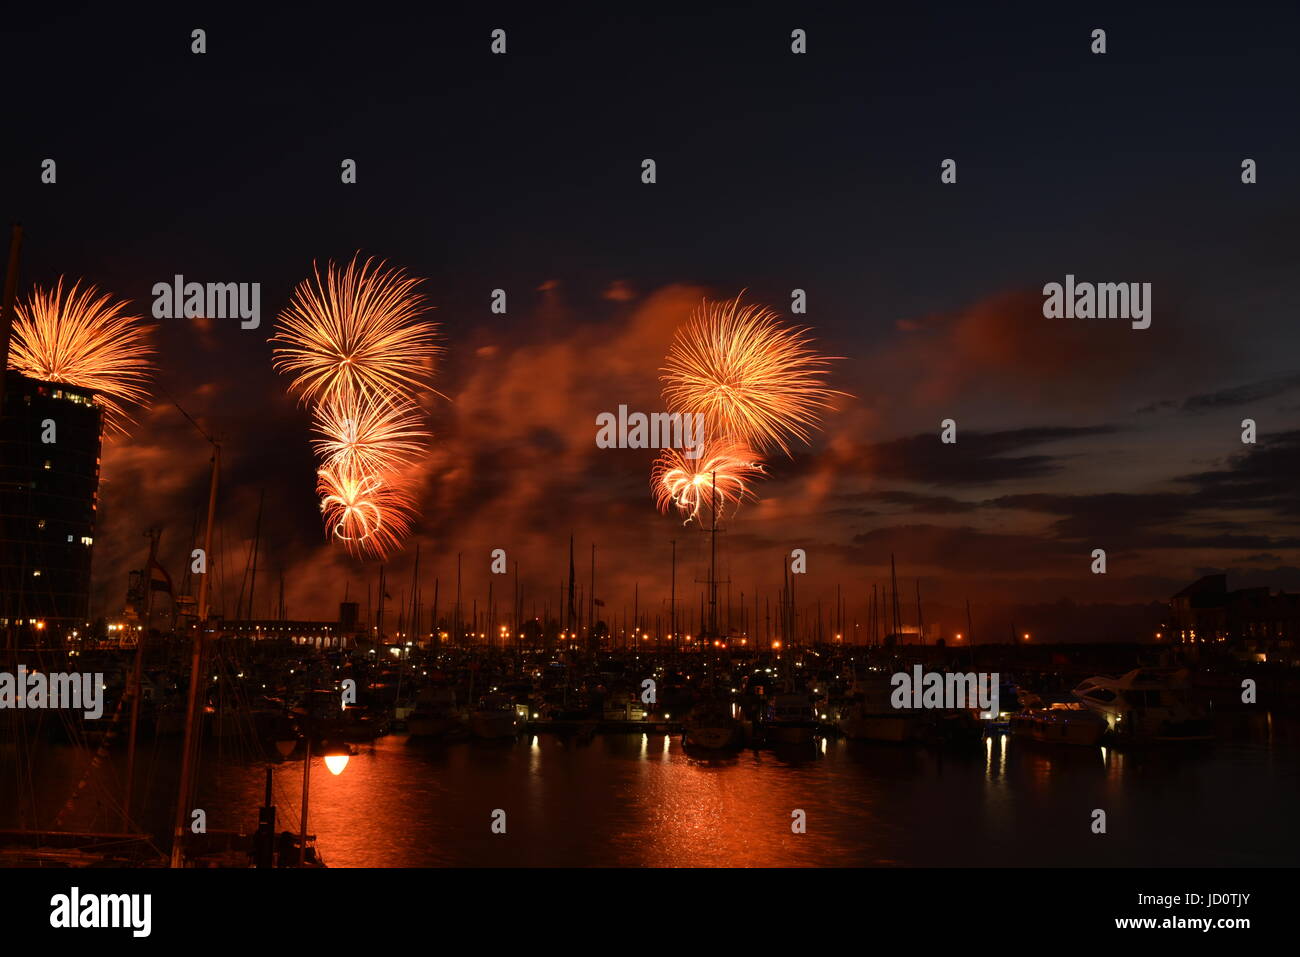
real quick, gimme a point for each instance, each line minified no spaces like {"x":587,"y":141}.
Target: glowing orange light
{"x":336,"y":763}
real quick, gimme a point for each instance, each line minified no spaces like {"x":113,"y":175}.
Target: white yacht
{"x":1147,"y":703}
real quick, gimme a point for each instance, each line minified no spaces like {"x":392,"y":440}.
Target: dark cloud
{"x":1264,"y":476}
{"x":1002,"y":345}
{"x":1128,"y":521}
{"x":1102,"y":517}
{"x":1242,"y":395}
{"x":915,"y":502}
{"x":961,"y":549}
{"x":977,"y":458}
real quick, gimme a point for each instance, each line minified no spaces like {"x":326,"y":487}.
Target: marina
{"x":446,"y":728}
{"x":645,"y":800}
{"x":648,"y":469}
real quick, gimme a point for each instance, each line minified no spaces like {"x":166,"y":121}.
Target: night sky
{"x":775,"y":172}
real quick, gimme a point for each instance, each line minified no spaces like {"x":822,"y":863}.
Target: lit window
{"x":36,"y":573}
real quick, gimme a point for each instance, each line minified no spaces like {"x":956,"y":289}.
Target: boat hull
{"x":790,"y":733}
{"x":897,"y":728}
{"x":1077,"y":733}
{"x":713,"y":737}
{"x":493,"y":725}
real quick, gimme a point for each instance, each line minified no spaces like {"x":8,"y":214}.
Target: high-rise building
{"x":49,"y":487}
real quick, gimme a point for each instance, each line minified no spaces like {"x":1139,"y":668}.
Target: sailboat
{"x":713,"y":726}
{"x":871,"y":716}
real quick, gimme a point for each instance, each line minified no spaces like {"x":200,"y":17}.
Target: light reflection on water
{"x":641,"y":800}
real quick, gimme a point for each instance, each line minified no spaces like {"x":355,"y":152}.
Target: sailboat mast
{"x":257,"y":540}
{"x":713,"y":556}
{"x":136,"y":676}
{"x":920,"y":622}
{"x":672,"y":599}
{"x":414,"y":627}
{"x":437,"y":636}
{"x":196,"y":660}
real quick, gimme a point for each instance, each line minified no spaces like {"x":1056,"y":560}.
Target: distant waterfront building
{"x":319,"y":634}
{"x":340,"y":634}
{"x":1255,"y":620}
{"x":904,"y":636}
{"x":48,"y":499}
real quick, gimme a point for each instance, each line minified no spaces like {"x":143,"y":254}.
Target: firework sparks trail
{"x":369,"y":434}
{"x":356,"y":348}
{"x":755,"y":380}
{"x":357,"y":333}
{"x":689,"y":484}
{"x":370,"y":513}
{"x":85,"y":339}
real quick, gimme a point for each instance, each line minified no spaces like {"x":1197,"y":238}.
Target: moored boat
{"x":495,"y":718}
{"x":1152,"y":704}
{"x":712,"y":727}
{"x":871,"y":716}
{"x":435,"y":714}
{"x":791,"y":718}
{"x":1061,"y":723}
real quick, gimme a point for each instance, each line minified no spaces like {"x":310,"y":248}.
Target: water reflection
{"x":643,"y":799}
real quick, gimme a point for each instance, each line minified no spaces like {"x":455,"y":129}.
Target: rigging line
{"x":189,"y":418}
{"x":96,"y":761}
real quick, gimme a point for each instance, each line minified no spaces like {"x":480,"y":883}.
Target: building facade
{"x":1255,"y":620}
{"x":49,"y":487}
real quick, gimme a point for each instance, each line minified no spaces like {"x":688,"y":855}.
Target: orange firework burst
{"x":753,"y":378}
{"x":87,"y":340}
{"x":356,"y":347}
{"x":370,"y":513}
{"x":369,"y":434}
{"x":356,"y":333}
{"x":718,"y":478}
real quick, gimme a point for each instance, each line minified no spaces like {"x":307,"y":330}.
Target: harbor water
{"x":643,"y":800}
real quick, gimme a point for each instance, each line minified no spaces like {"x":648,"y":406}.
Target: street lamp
{"x":336,"y":762}
{"x":336,"y":759}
